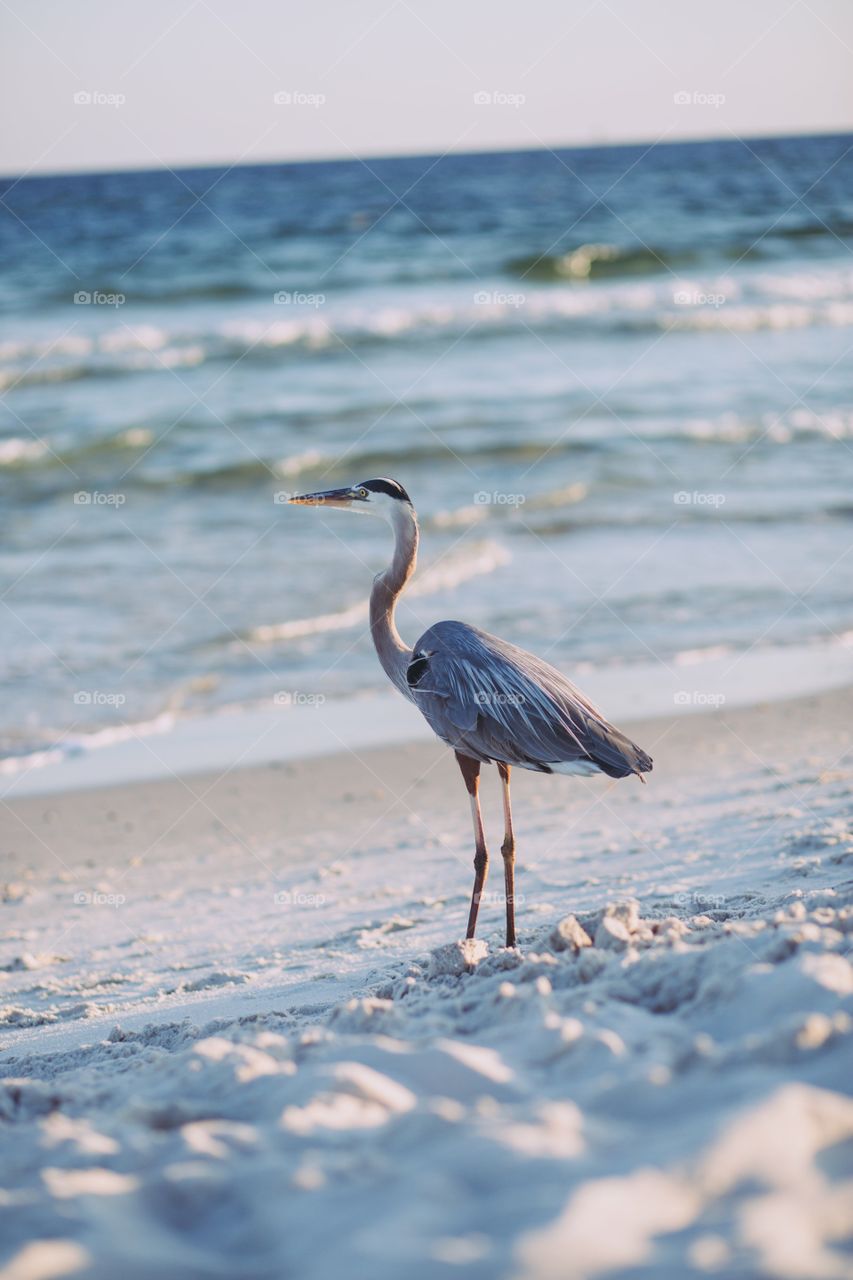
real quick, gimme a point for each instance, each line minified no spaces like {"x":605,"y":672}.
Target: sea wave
{"x":731,"y":428}
{"x":448,"y":572}
{"x":765,"y":301}
{"x":17,"y":452}
{"x":20,"y":453}
{"x":612,"y":519}
{"x":305,"y":468}
{"x":608,"y":260}
{"x":71,"y":744}
{"x":597,"y":262}
{"x":479,"y":511}
{"x":748,"y":319}
{"x":837,"y":228}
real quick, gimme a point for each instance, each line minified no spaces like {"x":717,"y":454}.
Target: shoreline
{"x":294,"y":726}
{"x":292,"y":798}
{"x":311,"y":790}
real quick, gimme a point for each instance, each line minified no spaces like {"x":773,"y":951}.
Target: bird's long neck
{"x":393,"y":654}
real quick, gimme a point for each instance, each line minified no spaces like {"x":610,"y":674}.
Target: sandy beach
{"x":235,"y":1008}
{"x":562,"y":297}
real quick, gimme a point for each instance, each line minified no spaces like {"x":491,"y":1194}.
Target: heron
{"x":487,"y":699}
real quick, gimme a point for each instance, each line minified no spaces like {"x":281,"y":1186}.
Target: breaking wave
{"x":596,"y":262}
{"x":450,"y":571}
{"x":766,"y":301}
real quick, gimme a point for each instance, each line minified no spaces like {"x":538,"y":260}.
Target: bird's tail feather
{"x":617,"y":755}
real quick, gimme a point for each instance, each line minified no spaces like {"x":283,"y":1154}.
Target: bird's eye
{"x":363,"y":493}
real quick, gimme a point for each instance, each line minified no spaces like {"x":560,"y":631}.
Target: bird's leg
{"x":508,"y":852}
{"x":471,"y":773}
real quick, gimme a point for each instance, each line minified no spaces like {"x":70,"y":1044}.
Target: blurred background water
{"x":615,"y":381}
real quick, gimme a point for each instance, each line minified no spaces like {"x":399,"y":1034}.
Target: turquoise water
{"x":615,"y":381}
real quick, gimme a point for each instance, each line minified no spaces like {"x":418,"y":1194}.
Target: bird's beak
{"x":329,"y":498}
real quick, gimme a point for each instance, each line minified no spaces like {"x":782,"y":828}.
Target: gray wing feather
{"x":493,"y":701}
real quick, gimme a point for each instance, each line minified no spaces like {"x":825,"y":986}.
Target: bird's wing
{"x":493,"y":701}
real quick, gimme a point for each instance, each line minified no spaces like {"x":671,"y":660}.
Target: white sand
{"x":240,"y":1039}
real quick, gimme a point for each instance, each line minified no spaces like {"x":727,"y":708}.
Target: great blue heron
{"x":492,"y":702}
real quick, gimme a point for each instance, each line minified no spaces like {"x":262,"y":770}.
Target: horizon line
{"x":429,"y":154}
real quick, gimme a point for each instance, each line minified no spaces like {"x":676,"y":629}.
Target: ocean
{"x":615,"y":381}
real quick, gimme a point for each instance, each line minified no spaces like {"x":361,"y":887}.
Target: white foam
{"x":834,"y":424}
{"x":19,"y":450}
{"x":135,"y":437}
{"x":299,"y":627}
{"x":451,"y":571}
{"x":299,"y":462}
{"x":762,"y":300}
{"x":748,"y":319}
{"x":808,"y":285}
{"x":458,"y":567}
{"x":692,"y":657}
{"x":138,"y":337}
{"x":71,"y":745}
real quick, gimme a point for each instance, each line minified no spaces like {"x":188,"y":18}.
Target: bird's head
{"x":382,"y":497}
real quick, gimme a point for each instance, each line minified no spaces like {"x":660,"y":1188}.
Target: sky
{"x":102,"y":85}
